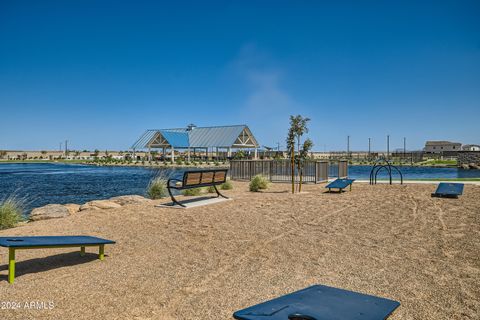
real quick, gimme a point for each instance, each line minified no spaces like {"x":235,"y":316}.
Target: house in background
{"x":471,"y":147}
{"x":441,"y":146}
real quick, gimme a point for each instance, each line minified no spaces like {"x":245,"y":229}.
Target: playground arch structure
{"x":380,"y":164}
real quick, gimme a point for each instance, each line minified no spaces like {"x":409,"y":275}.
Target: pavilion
{"x":202,"y":139}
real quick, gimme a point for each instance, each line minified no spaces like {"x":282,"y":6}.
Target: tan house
{"x":441,"y":146}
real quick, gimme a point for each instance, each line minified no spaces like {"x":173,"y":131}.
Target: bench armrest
{"x":171,"y":180}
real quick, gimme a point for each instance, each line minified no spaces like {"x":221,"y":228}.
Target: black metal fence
{"x":280,"y":170}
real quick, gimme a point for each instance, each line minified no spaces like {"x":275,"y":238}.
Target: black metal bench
{"x":198,"y":179}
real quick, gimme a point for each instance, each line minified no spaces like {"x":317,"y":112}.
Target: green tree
{"x":304,"y":155}
{"x":298,"y":127}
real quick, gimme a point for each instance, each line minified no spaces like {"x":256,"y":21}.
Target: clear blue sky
{"x":99,"y":73}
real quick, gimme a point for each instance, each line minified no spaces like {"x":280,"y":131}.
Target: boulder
{"x":129,"y":199}
{"x":50,"y":211}
{"x":99,"y":204}
{"x":72,"y":207}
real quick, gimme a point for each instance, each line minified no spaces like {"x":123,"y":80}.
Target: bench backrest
{"x":205,"y":177}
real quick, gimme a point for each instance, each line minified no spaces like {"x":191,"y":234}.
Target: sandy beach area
{"x":207,"y":262}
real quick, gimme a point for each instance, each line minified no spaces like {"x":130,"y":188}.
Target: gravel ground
{"x":207,"y":262}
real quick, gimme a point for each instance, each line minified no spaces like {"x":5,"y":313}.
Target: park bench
{"x":197,"y":179}
{"x":21,"y":243}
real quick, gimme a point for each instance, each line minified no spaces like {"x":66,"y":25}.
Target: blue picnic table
{"x":20,"y":243}
{"x":448,"y":190}
{"x":340,"y":184}
{"x":321,"y":302}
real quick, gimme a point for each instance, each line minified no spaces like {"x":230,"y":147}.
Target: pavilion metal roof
{"x":196,"y":137}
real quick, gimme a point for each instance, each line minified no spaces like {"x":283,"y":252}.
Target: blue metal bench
{"x":319,"y":303}
{"x":448,"y":190}
{"x":20,"y":243}
{"x":340,"y":184}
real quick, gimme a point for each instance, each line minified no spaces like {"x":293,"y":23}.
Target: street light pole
{"x":348,"y":147}
{"x":388,"y":147}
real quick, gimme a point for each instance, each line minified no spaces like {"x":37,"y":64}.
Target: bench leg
{"x":11,"y":265}
{"x":101,"y":252}
{"x":218,"y":192}
{"x":174,"y":200}
{"x":350,"y":187}
{"x":82,"y":251}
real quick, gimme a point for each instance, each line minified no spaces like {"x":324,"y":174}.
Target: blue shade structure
{"x":235,"y":136}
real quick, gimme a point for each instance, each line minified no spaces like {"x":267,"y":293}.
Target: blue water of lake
{"x":45,"y":183}
{"x":363,"y":173}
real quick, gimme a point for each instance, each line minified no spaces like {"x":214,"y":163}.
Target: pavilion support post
{"x":206,"y":153}
{"x":216,"y":153}
{"x":188,"y":154}
{"x":255,"y":154}
{"x":163,"y":153}
{"x":229,"y":152}
{"x":172,"y":150}
{"x":149,"y":154}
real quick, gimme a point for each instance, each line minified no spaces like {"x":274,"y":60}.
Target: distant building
{"x":471,"y":147}
{"x":441,"y":146}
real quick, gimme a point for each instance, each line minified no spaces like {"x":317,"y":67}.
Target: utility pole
{"x":404,"y":147}
{"x":278,"y":146}
{"x":60,"y":149}
{"x":66,"y":147}
{"x":348,"y":147}
{"x":388,"y":146}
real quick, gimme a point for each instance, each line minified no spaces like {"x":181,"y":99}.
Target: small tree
{"x":304,"y":155}
{"x":298,"y":127}
{"x":291,"y":150}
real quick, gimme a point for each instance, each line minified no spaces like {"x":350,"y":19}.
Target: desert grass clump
{"x":192,"y":192}
{"x":227,"y":185}
{"x":258,"y":183}
{"x":157,"y":188}
{"x":11,"y":210}
{"x":211,"y":189}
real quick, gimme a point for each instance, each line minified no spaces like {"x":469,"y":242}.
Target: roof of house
{"x":198,"y":137}
{"x":440,"y":143}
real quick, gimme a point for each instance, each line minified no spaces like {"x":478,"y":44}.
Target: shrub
{"x":258,"y":182}
{"x":227,"y":185}
{"x":192,"y":192}
{"x":11,"y":210}
{"x":157,"y":188}
{"x":211,"y":189}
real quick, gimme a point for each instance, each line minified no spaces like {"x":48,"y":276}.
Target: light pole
{"x":348,"y":147}
{"x":388,"y":147}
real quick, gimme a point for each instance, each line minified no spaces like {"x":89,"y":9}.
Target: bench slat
{"x":192,"y":178}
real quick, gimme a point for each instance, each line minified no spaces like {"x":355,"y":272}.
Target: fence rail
{"x":280,"y":170}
